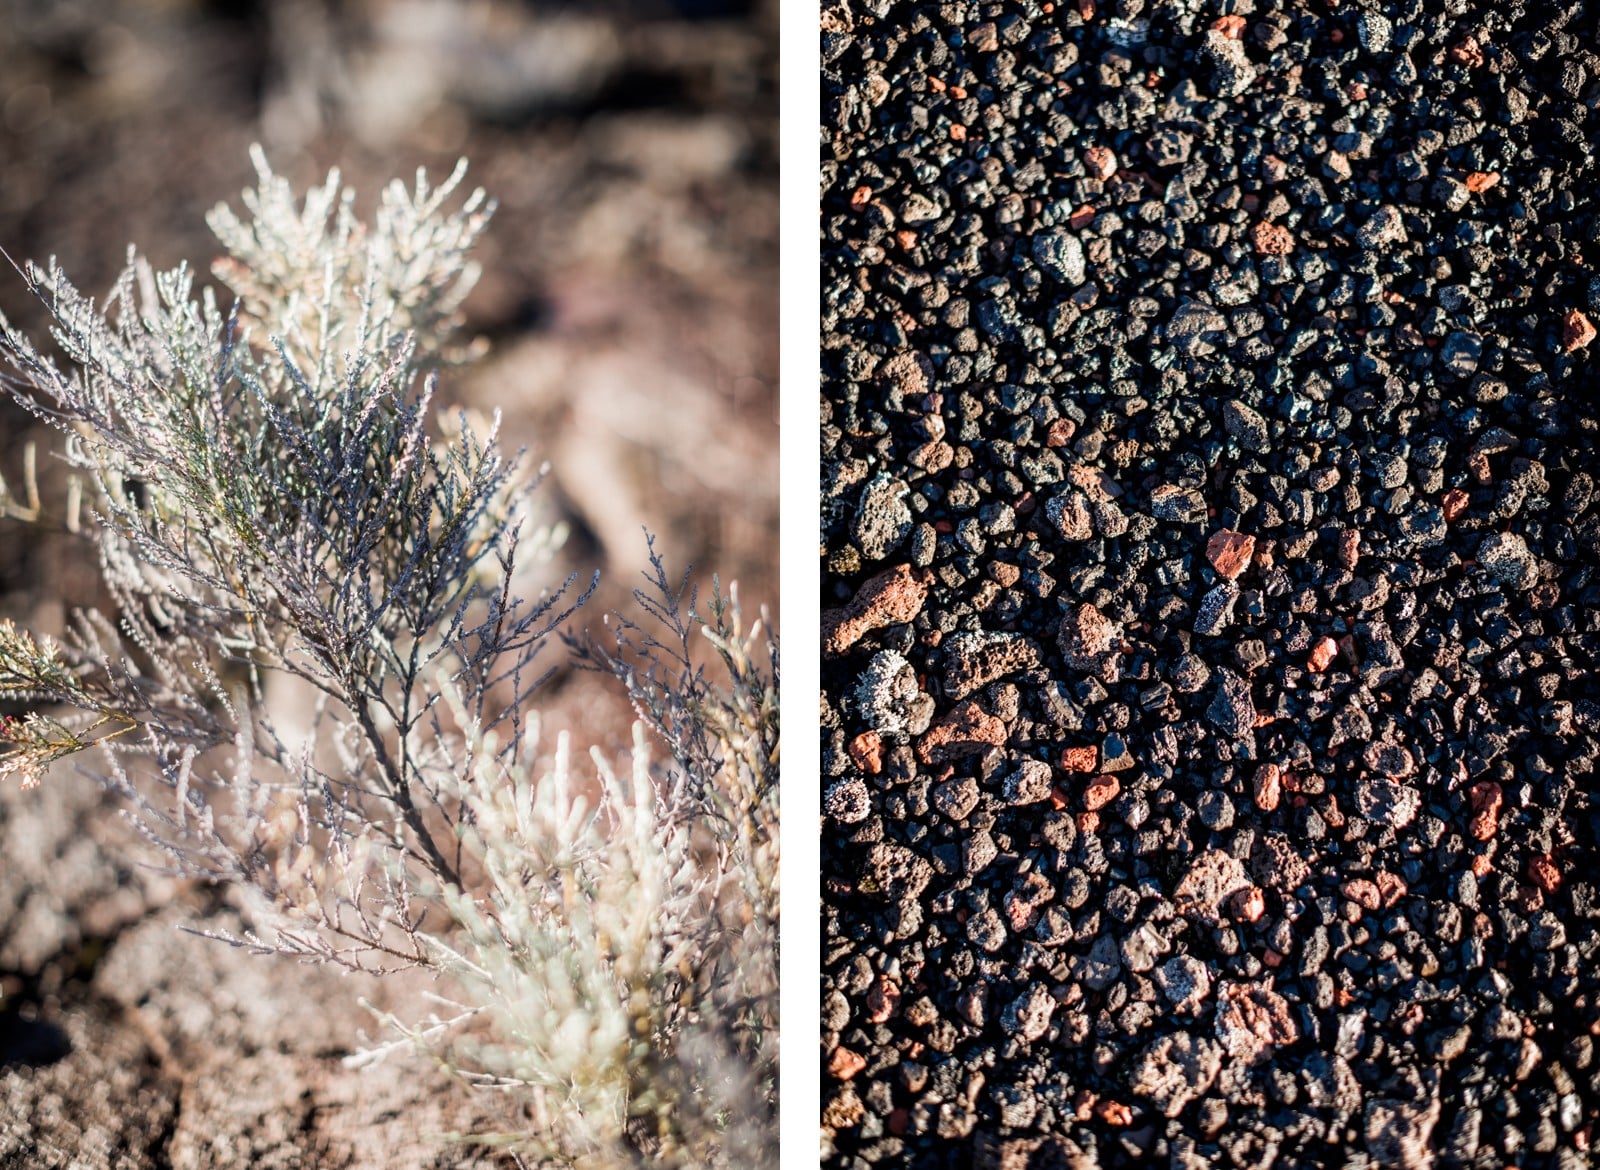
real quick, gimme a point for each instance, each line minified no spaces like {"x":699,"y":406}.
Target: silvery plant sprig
{"x":316,"y":680}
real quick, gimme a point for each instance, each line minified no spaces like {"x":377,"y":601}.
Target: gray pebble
{"x":1100,"y":967}
{"x":1389,"y":469}
{"x":1215,"y":809}
{"x":1246,"y":424}
{"x":847,"y":801}
{"x":885,"y":691}
{"x":1505,"y":556}
{"x":1215,"y":611}
{"x":986,"y":930}
{"x":973,"y":659}
{"x":1060,"y":254}
{"x":883,"y":518}
{"x":1185,"y":982}
{"x":1461,"y":353}
{"x":1027,"y":783}
{"x":1451,"y":192}
{"x":1142,"y":948}
{"x":1170,"y":502}
{"x":1388,"y":803}
{"x":1231,"y":70}
{"x":1028,"y":1015}
{"x":1232,"y":710}
{"x":1190,"y":673}
{"x":956,"y":798}
{"x":1374,"y":31}
{"x":1176,"y":1069}
{"x":1189,"y":325}
{"x":1383,"y":228}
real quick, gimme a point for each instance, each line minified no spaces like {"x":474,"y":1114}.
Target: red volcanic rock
{"x":1229,"y":552}
{"x":1576,"y":331}
{"x":894,"y":596}
{"x":967,"y":730}
{"x":1268,"y":786}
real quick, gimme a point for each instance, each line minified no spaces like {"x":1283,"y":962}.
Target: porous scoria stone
{"x":1397,"y":1133}
{"x":1100,"y":162}
{"x":1385,"y":801}
{"x":1362,"y":892}
{"x":1267,"y":787}
{"x":966,"y":730}
{"x":1182,"y":505}
{"x":1085,"y":758}
{"x":1252,"y":1020}
{"x":1229,"y":552}
{"x":1322,"y":655}
{"x":1029,"y":1014}
{"x":890,"y":598}
{"x":975,"y":659}
{"x":1088,"y":639}
{"x":883,"y":518}
{"x":1577,"y":331}
{"x":894,"y":872}
{"x":1232,"y":710}
{"x":1213,"y":876}
{"x":1485,"y":796}
{"x":1385,"y":227}
{"x":1276,"y":862}
{"x":1027,"y":783}
{"x":1271,"y":239}
{"x":1215,"y":612}
{"x":886,"y":694}
{"x":907,"y":372}
{"x":1185,"y":982}
{"x":1069,"y":512}
{"x":1101,"y":791}
{"x":1175,"y":1070}
{"x":1508,"y":560}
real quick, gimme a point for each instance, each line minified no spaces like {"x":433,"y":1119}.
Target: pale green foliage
{"x":307,"y":270}
{"x":269,"y":498}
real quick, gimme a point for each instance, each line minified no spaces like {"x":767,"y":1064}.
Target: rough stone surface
{"x":1229,"y":552}
{"x":893,"y":596}
{"x":1397,"y":1132}
{"x":965,"y":730}
{"x":1214,"y":614}
{"x":1232,"y":710}
{"x":1506,"y":557}
{"x":1088,"y":639}
{"x":1176,"y":1070}
{"x":1252,"y":1021}
{"x":1290,"y":488}
{"x":1246,"y":424}
{"x":1060,"y":254}
{"x":1185,"y":982}
{"x":883,"y":518}
{"x":974,"y":660}
{"x":1387,"y":802}
{"x":1205,"y":887}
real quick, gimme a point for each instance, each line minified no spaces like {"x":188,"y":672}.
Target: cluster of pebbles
{"x":1211,"y":562}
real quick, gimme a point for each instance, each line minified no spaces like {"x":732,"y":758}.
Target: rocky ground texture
{"x":1212,"y":542}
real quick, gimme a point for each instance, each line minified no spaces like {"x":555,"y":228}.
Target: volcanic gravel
{"x":1211,"y":569}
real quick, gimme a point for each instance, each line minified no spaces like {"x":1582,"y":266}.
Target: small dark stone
{"x":1232,"y":710}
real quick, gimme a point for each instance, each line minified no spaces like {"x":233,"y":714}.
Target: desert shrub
{"x":269,"y":496}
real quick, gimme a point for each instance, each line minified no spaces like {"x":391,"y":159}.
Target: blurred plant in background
{"x":268,"y":500}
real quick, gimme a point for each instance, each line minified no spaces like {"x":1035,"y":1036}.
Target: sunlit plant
{"x":270,"y":496}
